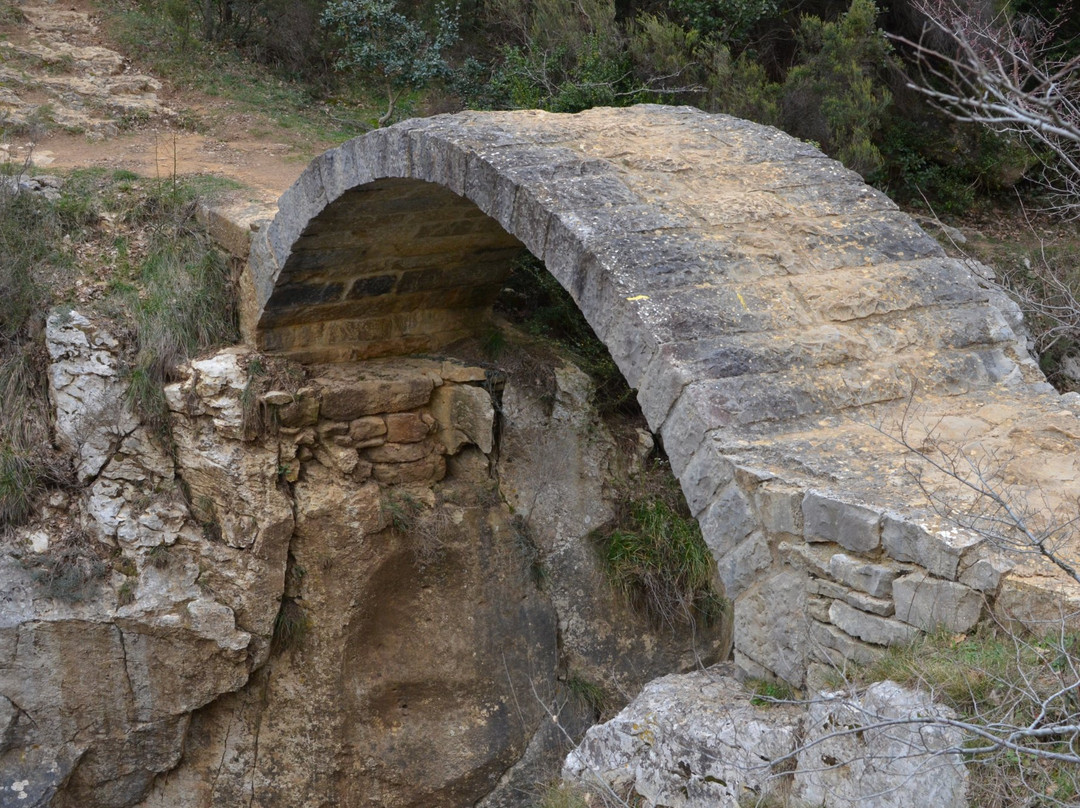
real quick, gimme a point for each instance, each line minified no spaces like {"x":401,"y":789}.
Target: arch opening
{"x":392,"y":267}
{"x":398,"y":267}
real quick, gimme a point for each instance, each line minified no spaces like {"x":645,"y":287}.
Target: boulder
{"x":702,"y":740}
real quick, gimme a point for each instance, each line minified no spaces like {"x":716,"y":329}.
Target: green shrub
{"x":837,"y":95}
{"x":946,"y":166}
{"x":563,"y":56}
{"x":730,"y":21}
{"x":383,"y":46}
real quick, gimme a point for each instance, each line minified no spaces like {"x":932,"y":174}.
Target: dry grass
{"x":122,"y":249}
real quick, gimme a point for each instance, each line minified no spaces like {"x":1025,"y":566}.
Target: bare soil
{"x":242,"y":146}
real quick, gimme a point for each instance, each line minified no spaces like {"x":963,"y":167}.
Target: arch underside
{"x":392,"y":267}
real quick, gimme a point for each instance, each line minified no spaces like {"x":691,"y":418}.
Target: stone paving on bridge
{"x":802,"y":347}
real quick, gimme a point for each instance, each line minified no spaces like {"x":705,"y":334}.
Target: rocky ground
{"x":69,"y":100}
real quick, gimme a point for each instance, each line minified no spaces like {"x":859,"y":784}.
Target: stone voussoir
{"x":826,"y":518}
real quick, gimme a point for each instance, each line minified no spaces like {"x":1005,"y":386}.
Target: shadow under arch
{"x":362,"y":263}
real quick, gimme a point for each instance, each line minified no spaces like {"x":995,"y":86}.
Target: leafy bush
{"x":730,"y":21}
{"x":381,"y":45}
{"x":561,"y":56}
{"x":947,"y":167}
{"x":836,"y":95}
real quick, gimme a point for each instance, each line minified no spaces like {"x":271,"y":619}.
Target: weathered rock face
{"x":111,"y":635}
{"x":318,"y":594}
{"x":433,"y":660}
{"x":697,"y":741}
{"x":417,"y":624}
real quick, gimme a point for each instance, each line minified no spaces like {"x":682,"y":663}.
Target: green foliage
{"x":946,"y":167}
{"x":836,"y":95}
{"x":729,"y":21}
{"x":658,"y":559}
{"x":563,"y":56}
{"x":382,"y":45}
{"x":295,"y":91}
{"x":676,"y":64}
{"x":768,"y":692}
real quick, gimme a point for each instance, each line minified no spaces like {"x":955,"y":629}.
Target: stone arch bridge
{"x":832,"y":390}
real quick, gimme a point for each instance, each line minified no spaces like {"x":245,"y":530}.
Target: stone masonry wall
{"x":784,"y":325}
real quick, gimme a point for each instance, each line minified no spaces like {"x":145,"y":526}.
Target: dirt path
{"x":58,"y":74}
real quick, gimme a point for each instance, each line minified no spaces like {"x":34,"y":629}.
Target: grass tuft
{"x":589,"y":695}
{"x":33,"y":255}
{"x":998,"y":678}
{"x":768,"y":692}
{"x":71,"y":574}
{"x":658,"y":559}
{"x":144,"y":265}
{"x":291,"y":626}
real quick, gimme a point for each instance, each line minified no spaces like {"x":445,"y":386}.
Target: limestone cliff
{"x":342,"y":585}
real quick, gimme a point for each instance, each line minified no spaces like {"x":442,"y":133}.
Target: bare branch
{"x":992,"y":74}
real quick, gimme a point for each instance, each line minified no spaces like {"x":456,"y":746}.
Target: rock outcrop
{"x":80,"y":81}
{"x":359,"y":579}
{"x":702,"y":740}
